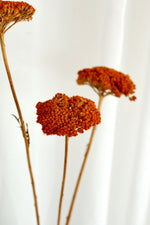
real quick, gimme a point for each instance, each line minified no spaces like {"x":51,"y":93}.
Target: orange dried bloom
{"x":13,"y":12}
{"x":67,"y":116}
{"x":107,"y":81}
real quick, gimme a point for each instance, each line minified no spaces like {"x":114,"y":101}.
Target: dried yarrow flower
{"x":107,"y":81}
{"x":67,"y":116}
{"x":13,"y":12}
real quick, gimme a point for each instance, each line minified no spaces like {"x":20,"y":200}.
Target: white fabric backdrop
{"x":44,"y":56}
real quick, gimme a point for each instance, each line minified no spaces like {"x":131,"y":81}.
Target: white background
{"x":44,"y":56}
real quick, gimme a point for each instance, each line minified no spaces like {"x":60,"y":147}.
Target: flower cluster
{"x":14,"y":12}
{"x":107,"y":81}
{"x":67,"y":116}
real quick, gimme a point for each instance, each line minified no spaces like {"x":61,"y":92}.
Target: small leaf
{"x":18,"y":120}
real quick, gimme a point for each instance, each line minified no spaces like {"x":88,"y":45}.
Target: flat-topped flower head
{"x":107,"y":81}
{"x":13,"y":12}
{"x":67,"y":116}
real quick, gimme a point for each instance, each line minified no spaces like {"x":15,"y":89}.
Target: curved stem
{"x":6,"y":29}
{"x":64,"y":178}
{"x":21,"y":121}
{"x":83,"y":166}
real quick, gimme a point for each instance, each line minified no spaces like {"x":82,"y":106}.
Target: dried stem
{"x":64,"y":177}
{"x":83,"y":166}
{"x":21,"y":121}
{"x":6,"y":29}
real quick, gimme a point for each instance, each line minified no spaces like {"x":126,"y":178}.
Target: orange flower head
{"x":67,"y":116}
{"x":107,"y":81}
{"x":13,"y":12}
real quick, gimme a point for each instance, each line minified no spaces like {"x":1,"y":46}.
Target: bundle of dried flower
{"x":63,"y":115}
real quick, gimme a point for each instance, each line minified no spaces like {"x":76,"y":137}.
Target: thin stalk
{"x":83,"y":166}
{"x":21,"y":122}
{"x":64,"y":178}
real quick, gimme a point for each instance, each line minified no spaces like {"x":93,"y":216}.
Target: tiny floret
{"x":106,"y":81}
{"x":13,"y":12}
{"x":67,"y":116}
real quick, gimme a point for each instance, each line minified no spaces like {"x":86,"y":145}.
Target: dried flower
{"x":67,"y":116}
{"x":13,"y":12}
{"x":107,"y":81}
